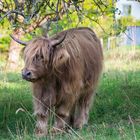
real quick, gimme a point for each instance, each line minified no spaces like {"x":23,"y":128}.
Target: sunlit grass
{"x":115,"y":114}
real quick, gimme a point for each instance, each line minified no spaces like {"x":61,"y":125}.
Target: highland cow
{"x":64,"y":70}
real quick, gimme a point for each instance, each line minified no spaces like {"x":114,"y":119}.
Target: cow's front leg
{"x":42,"y":118}
{"x":41,"y":125}
{"x":62,"y":115}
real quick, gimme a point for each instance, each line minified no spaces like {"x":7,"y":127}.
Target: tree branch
{"x":11,"y":12}
{"x":98,"y":6}
{"x":98,"y":24}
{"x":38,"y":23}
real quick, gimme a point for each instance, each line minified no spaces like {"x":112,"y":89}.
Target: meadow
{"x":115,"y":114}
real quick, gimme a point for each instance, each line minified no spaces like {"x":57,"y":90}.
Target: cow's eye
{"x":38,"y":58}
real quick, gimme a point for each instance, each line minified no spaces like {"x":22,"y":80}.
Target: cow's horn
{"x":19,"y":41}
{"x":57,"y":40}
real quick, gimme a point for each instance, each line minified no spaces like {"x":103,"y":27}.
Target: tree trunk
{"x":14,"y":51}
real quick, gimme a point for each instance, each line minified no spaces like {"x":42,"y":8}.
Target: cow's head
{"x":41,"y":55}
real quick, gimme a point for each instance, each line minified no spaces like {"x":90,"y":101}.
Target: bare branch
{"x":39,"y":22}
{"x":96,"y":21}
{"x":50,"y":6}
{"x":103,"y":3}
{"x":98,"y":6}
{"x":7,"y":4}
{"x":11,"y":12}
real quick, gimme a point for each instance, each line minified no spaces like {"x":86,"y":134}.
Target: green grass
{"x":115,"y":114}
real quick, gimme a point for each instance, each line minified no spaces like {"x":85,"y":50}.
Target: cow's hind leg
{"x":82,"y":109}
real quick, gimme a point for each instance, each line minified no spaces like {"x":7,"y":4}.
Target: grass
{"x":115,"y":114}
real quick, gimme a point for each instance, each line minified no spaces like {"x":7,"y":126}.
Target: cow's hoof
{"x":41,"y":133}
{"x":56,"y":130}
{"x":78,"y":126}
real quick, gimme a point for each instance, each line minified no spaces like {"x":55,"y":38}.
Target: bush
{"x":4,"y":44}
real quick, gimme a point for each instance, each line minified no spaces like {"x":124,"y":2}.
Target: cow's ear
{"x":61,"y":56}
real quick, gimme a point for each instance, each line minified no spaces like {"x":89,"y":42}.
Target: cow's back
{"x":92,"y":55}
{"x":86,"y":57}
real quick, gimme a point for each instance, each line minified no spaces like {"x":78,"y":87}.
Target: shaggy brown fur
{"x":64,"y":75}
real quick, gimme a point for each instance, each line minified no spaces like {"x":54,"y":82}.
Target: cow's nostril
{"x":28,"y":73}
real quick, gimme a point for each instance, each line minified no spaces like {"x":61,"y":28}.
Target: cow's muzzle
{"x":27,"y":75}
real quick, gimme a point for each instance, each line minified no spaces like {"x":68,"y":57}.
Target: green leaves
{"x":57,"y":15}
